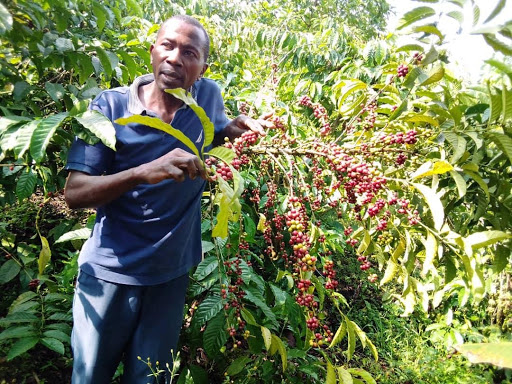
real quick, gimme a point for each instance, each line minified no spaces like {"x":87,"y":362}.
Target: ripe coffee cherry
{"x":402,"y":70}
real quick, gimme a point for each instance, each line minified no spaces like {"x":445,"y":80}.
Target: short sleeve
{"x":92,"y":159}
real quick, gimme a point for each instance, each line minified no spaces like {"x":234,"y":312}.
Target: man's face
{"x":177,"y":56}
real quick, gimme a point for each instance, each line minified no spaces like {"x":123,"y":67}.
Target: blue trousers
{"x":115,"y":322}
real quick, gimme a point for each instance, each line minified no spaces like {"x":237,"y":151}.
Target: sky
{"x":467,"y":51}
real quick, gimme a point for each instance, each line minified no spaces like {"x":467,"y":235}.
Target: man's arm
{"x":86,"y":191}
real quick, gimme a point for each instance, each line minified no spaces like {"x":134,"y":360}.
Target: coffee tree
{"x":382,"y":167}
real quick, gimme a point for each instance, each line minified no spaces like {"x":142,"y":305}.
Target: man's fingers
{"x":266,"y":123}
{"x":255,"y":126}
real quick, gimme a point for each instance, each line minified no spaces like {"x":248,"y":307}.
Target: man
{"x":134,"y":268}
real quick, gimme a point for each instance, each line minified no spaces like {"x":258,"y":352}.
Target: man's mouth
{"x":170,"y":74}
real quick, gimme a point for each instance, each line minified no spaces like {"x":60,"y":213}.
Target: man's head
{"x":179,"y":53}
{"x":190,"y":20}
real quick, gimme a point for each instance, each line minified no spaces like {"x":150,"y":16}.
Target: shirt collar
{"x":135,"y":106}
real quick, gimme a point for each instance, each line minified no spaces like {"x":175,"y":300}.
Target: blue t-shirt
{"x":151,"y":234}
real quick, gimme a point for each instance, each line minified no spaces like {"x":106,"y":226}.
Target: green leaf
{"x":248,"y":317}
{"x":499,"y":354}
{"x":18,"y":317}
{"x":485,"y":238}
{"x":331,"y":374}
{"x":415,"y":15}
{"x":55,"y":90}
{"x":105,"y":61}
{"x":237,"y":365}
{"x":23,"y":298}
{"x":45,"y":255}
{"x":43,"y":133}
{"x":267,"y":337}
{"x":430,"y":30}
{"x":458,"y":143}
{"x":475,"y":176}
{"x":501,"y":258}
{"x":155,"y":122}
{"x":77,"y":234}
{"x":498,"y":45}
{"x":100,"y":126}
{"x":253,"y":295}
{"x":460,"y":182}
{"x":344,"y":376}
{"x":435,"y":75}
{"x":229,"y":205}
{"x":347,"y":88}
{"x":507,"y":105}
{"x":392,"y":265}
{"x":430,"y":252}
{"x":501,"y":4}
{"x":339,"y":335}
{"x":9,"y":271}
{"x":215,"y":335}
{"x":134,"y":7}
{"x":456,"y":15}
{"x":431,"y":56}
{"x":99,"y":13}
{"x":53,"y":344}
{"x":476,"y":14}
{"x":225,"y":154}
{"x":5,"y":20}
{"x":207,"y":246}
{"x":64,"y":45}
{"x":399,"y":110}
{"x":367,"y":377}
{"x":21,"y":346}
{"x":351,"y":339}
{"x":26,"y":184}
{"x":18,"y":332}
{"x":434,"y":203}
{"x":422,"y":119}
{"x":59,"y":335}
{"x":129,"y":63}
{"x":373,"y":349}
{"x":503,"y":142}
{"x":206,"y":267}
{"x":278,"y":343}
{"x":186,"y":97}
{"x":208,"y":308}
{"x":505,"y":68}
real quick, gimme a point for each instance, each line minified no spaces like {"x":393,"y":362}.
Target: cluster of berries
{"x":370,"y":116}
{"x":365,"y":263}
{"x":417,"y":57}
{"x":402,"y":70}
{"x":319,"y":112}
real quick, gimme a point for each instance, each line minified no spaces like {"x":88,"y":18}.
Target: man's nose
{"x":174,"y":56}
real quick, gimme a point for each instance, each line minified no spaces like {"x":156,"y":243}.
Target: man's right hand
{"x":86,"y":191}
{"x":174,"y":165}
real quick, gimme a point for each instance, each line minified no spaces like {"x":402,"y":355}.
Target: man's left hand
{"x":242,"y":123}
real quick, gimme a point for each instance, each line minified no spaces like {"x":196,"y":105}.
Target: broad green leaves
{"x":415,"y":15}
{"x":155,"y":122}
{"x":5,"y":19}
{"x":499,"y":354}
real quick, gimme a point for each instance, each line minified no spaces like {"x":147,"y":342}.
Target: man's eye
{"x":189,"y":53}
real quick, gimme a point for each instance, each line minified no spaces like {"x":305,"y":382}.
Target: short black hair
{"x":190,"y":20}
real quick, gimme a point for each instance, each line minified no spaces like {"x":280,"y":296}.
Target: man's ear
{"x":205,"y":67}
{"x":150,"y":55}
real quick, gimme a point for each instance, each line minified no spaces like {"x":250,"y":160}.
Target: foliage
{"x":384,"y":171}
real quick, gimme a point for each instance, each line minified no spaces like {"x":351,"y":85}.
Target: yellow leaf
{"x":438,"y":168}
{"x":262,"y":223}
{"x":44,"y":256}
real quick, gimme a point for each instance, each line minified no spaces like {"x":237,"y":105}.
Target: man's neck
{"x":164,"y":104}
